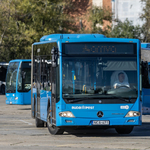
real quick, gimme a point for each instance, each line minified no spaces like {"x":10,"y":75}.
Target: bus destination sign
{"x":99,"y":48}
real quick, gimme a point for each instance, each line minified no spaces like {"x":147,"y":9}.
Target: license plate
{"x":102,"y":122}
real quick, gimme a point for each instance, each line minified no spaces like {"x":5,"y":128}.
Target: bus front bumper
{"x":11,"y":100}
{"x":132,"y":121}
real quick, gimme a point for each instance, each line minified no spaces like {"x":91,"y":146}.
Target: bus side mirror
{"x":54,"y":53}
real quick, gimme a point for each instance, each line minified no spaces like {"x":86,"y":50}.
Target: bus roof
{"x":145,"y":45}
{"x":20,"y":60}
{"x":81,"y":38}
{"x":54,"y":37}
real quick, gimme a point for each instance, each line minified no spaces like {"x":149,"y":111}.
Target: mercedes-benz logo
{"x":100,"y":114}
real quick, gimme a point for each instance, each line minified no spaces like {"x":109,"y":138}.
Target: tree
{"x":145,"y":16}
{"x":8,"y":29}
{"x":125,"y":29}
{"x":23,"y":22}
{"x":99,"y":16}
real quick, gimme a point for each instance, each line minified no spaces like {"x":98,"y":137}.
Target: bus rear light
{"x":133,"y":114}
{"x":66,"y":114}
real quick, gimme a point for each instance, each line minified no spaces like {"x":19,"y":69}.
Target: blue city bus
{"x":74,"y":82}
{"x":145,"y":57}
{"x":18,"y":82}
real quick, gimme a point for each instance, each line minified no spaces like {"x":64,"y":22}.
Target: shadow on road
{"x":139,"y":131}
{"x":25,"y":109}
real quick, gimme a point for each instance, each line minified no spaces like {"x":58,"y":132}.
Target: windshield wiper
{"x":90,"y":98}
{"x":81,"y":99}
{"x":122,"y":98}
{"x":10,"y":91}
{"x":75,"y":100}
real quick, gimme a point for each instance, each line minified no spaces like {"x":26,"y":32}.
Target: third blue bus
{"x":145,"y":57}
{"x":18,"y":82}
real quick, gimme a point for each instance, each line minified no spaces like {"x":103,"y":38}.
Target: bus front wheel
{"x":52,"y":128}
{"x":124,"y":129}
{"x":38,"y":122}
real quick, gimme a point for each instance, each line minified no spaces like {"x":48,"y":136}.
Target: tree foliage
{"x":125,"y":29}
{"x":98,"y":16}
{"x":145,"y":16}
{"x":22,"y":22}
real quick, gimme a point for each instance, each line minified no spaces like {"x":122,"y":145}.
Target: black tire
{"x":34,"y":108}
{"x":52,"y":128}
{"x":3,"y":89}
{"x":124,"y":129}
{"x":38,"y":122}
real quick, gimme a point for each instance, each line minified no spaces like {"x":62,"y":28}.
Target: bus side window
{"x":34,"y":72}
{"x":46,"y":80}
{"x":44,"y":76}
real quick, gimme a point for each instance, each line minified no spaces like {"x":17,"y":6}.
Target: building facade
{"x":130,"y":9}
{"x":121,"y":9}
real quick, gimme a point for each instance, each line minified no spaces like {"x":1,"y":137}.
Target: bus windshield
{"x":11,"y":77}
{"x":24,"y":77}
{"x":99,"y":77}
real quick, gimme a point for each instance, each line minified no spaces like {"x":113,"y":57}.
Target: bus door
{"x":53,"y":76}
{"x":43,"y":88}
{"x":25,"y":74}
{"x":38,"y":84}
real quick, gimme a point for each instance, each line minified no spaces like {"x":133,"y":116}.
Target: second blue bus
{"x":18,"y":82}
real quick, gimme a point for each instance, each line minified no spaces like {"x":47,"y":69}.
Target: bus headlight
{"x":133,"y":114}
{"x":66,"y":114}
{"x":16,"y":98}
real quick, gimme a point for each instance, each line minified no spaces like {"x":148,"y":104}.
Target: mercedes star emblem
{"x":100,"y":114}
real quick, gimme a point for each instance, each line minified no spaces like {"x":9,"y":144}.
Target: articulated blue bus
{"x":145,"y":57}
{"x":85,"y":80}
{"x":18,"y":82}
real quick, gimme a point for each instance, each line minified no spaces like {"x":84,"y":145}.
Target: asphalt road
{"x":18,"y":132}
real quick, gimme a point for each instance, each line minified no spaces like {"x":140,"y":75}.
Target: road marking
{"x":16,"y":143}
{"x":26,"y":122}
{"x":65,"y":145}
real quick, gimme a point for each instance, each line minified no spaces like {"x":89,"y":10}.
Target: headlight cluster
{"x":133,"y":114}
{"x":66,"y":114}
